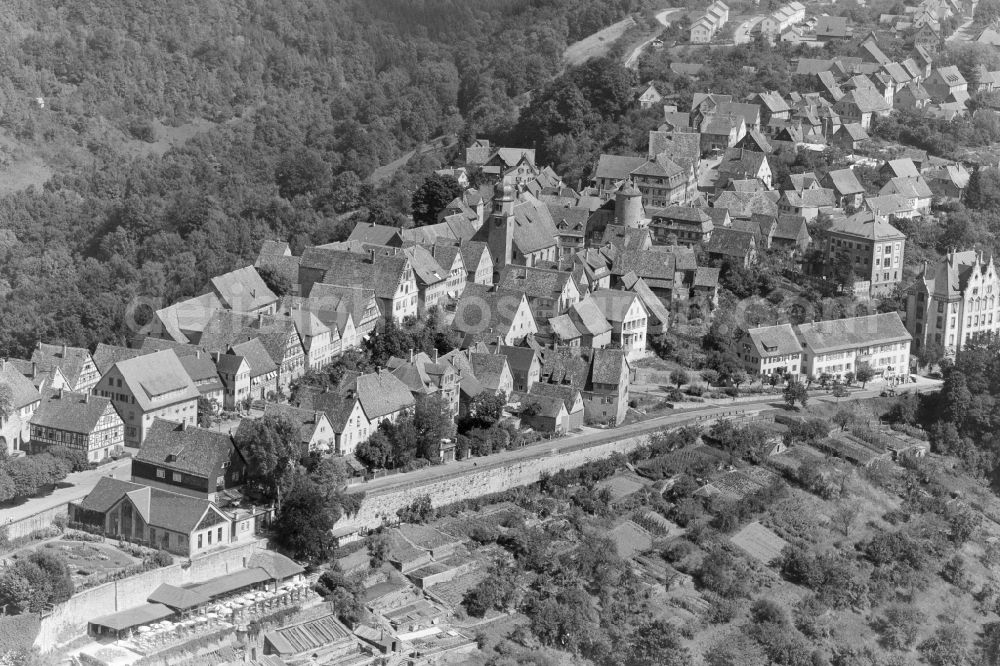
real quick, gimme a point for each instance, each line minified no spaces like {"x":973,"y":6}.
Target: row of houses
{"x":708,"y":25}
{"x":835,"y":348}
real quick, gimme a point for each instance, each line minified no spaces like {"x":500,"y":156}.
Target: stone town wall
{"x":480,"y":481}
{"x":69,"y":620}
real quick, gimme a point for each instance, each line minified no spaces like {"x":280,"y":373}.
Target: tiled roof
{"x":271,"y":248}
{"x":106,"y":492}
{"x":745,"y":204}
{"x":534,"y":282}
{"x":845,"y":182}
{"x":69,"y":360}
{"x":286,"y":267}
{"x":201,"y":369}
{"x":773,"y":101}
{"x":175,"y":512}
{"x":70,"y":412}
{"x":646,"y":264}
{"x":777,"y":340}
{"x":588,"y":318}
{"x":158,"y":374}
{"x":479,"y":301}
{"x":617,"y":167}
{"x":383,"y":273}
{"x":306,"y":420}
{"x":177,"y":598}
{"x":337,"y":406}
{"x":908,"y":187}
{"x":867,"y":100}
{"x":855,"y":131}
{"x":614,"y":304}
{"x":567,"y":394}
{"x":534,"y":228}
{"x":889,"y":204}
{"x":256,"y":356}
{"x":518,"y":358}
{"x":106,"y":356}
{"x":454,"y":227}
{"x":832,"y":26}
{"x":789,"y":226}
{"x":814,"y":198}
{"x":488,"y":369}
{"x":607,"y":365}
{"x":353,"y":300}
{"x":242,"y":290}
{"x":865,"y":224}
{"x":839,"y":334}
{"x":381,"y":394}
{"x":184,"y":448}
{"x":426,"y":269}
{"x":189,"y":315}
{"x":227,"y":328}
{"x":706,"y":276}
{"x":376,"y":234}
{"x":730,"y":242}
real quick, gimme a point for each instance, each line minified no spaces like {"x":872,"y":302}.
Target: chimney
{"x":411,"y":354}
{"x":371,"y":255}
{"x":435,"y":355}
{"x":34,"y":370}
{"x":317,"y":416}
{"x":61,"y":393}
{"x":499,"y":342}
{"x":197,"y":353}
{"x":215,"y":356}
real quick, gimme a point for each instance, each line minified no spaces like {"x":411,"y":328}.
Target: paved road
{"x":708,"y":410}
{"x":633,"y":59}
{"x":741,"y":34}
{"x":82,"y":483}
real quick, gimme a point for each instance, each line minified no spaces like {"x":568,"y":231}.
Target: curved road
{"x":592,"y":436}
{"x":741,"y":34}
{"x":633,"y":59}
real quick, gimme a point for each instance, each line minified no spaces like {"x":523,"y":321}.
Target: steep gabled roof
{"x":376,"y":234}
{"x":845,"y":182}
{"x":157,"y":376}
{"x":69,"y":360}
{"x":242,"y":290}
{"x":183,"y":448}
{"x":70,"y":412}
{"x":106,"y":356}
{"x":534,"y":282}
{"x":777,"y":340}
{"x":381,"y":394}
{"x":615,"y":304}
{"x":382,"y":272}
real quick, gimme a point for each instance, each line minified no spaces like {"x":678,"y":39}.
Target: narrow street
{"x":632,"y":61}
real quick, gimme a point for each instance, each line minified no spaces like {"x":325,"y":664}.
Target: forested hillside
{"x":304,"y":99}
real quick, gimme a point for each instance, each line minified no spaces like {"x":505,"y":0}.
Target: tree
{"x":272,"y":447}
{"x":844,"y":515}
{"x":433,"y":421}
{"x":657,"y":643}
{"x":930,"y":354}
{"x":343,"y":594}
{"x":6,"y":401}
{"x":278,"y":283}
{"x":301,"y":172}
{"x":485,"y":411}
{"x":840,"y":391}
{"x":375,"y":452}
{"x":864,"y":373}
{"x":949,"y":646}
{"x":795,"y":392}
{"x":432,"y":196}
{"x":305,"y":522}
{"x":679,"y":377}
{"x":500,"y":589}
{"x":378,"y":548}
{"x":36,"y":580}
{"x":843,"y":418}
{"x":419,"y":511}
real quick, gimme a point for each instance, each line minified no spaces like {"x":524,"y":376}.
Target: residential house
{"x":914,"y":189}
{"x":348,"y":422}
{"x":188,"y":460}
{"x":912,"y":97}
{"x":628,"y":318}
{"x":148,"y":387}
{"x":244,"y":290}
{"x":549,"y":292}
{"x":954,"y":300}
{"x":832,"y":28}
{"x":770,"y":350}
{"x":773,"y":107}
{"x":389,"y":273}
{"x":78,"y":421}
{"x":449,"y":258}
{"x":170,"y":521}
{"x":434,"y":282}
{"x":860,"y":105}
{"x":733,"y":245}
{"x":484,"y":313}
{"x":493,"y":372}
{"x":510,"y":167}
{"x":278,"y":335}
{"x":49,"y":378}
{"x":949,"y":181}
{"x":525,"y":365}
{"x":791,"y":233}
{"x":75,"y":364}
{"x":353,"y":310}
{"x":15,"y":430}
{"x":807,"y":203}
{"x":602,"y":376}
{"x":741,"y":164}
{"x":276,"y":258}
{"x":847,"y":189}
{"x":782,"y":19}
{"x":376,"y":234}
{"x":850,"y":136}
{"x":649,"y":97}
{"x":201,"y":369}
{"x":839,"y":346}
{"x":721,"y":131}
{"x":658,"y":317}
{"x":704,"y":28}
{"x":383,"y":396}
{"x":184,"y":322}
{"x":315,"y":431}
{"x":259,"y":381}
{"x":927,"y":35}
{"x":544,"y":414}
{"x":682,"y":225}
{"x":425,"y":376}
{"x":946,"y":84}
{"x":320,"y":341}
{"x":872,"y":246}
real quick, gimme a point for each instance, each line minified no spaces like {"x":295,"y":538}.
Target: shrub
{"x":60,"y":522}
{"x":162,"y":558}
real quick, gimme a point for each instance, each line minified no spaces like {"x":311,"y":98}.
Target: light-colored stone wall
{"x":69,"y":620}
{"x":484,"y":480}
{"x":36,"y":521}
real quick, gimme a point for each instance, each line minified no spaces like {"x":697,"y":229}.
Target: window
{"x":160,"y":473}
{"x":199,"y":541}
{"x":177,"y":477}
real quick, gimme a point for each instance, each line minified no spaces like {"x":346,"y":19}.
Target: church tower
{"x":501,"y":227}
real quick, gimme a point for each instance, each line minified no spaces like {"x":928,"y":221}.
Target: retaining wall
{"x":69,"y":620}
{"x":469,"y":484}
{"x":36,"y":521}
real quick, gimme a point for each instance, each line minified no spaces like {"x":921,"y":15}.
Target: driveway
{"x":80,"y":485}
{"x":632,"y":60}
{"x":741,"y":34}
